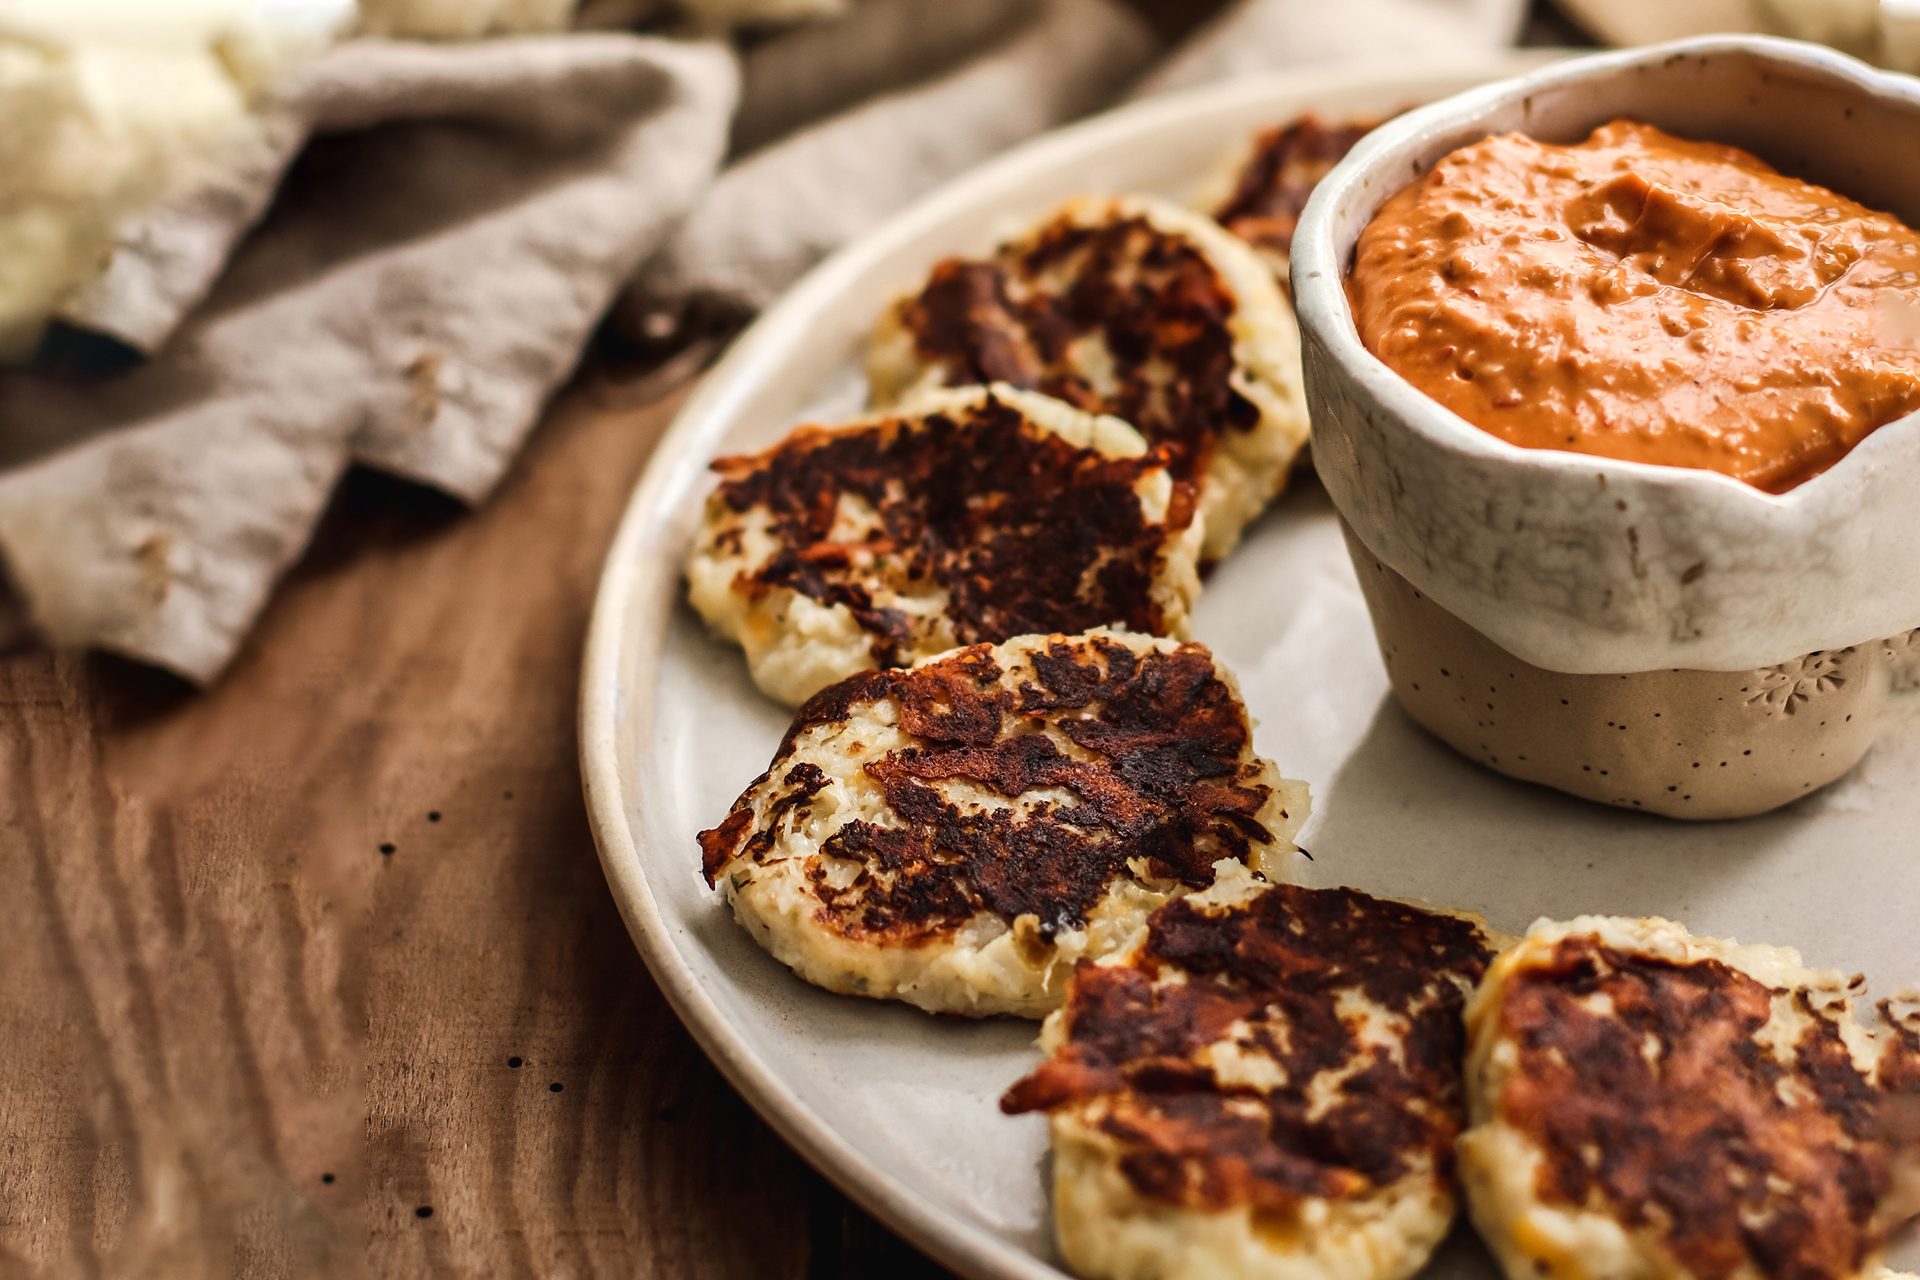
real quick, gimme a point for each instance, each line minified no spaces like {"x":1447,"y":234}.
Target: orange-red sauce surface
{"x":1643,"y":297}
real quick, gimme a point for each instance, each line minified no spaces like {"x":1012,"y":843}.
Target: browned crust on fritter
{"x":1151,"y":293}
{"x":1274,"y":183}
{"x":1027,"y":533}
{"x":1698,"y":1145}
{"x":1166,"y":783}
{"x":1278,"y":963}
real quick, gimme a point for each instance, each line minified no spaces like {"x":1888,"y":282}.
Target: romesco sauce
{"x":1643,"y":297}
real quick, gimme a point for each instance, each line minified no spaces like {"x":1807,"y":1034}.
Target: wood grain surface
{"x":316,"y":974}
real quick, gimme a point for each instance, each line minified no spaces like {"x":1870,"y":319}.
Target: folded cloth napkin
{"x":462,"y":19}
{"x":879,"y":46}
{"x":833,"y":180}
{"x":1253,"y":36}
{"x":466,"y":19}
{"x":421,"y":285}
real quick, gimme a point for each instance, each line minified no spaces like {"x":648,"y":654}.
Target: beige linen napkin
{"x":462,"y":19}
{"x":1253,"y":36}
{"x":468,"y":19}
{"x":422,"y":284}
{"x":879,"y":46}
{"x":168,"y":256}
{"x":776,"y":213}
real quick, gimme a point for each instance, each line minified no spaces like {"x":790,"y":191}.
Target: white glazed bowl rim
{"x":1814,"y":577}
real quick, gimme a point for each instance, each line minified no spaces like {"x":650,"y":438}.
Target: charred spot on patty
{"x":1275,"y":974}
{"x":1646,"y":1085}
{"x":1024,"y":531}
{"x":1161,"y":776}
{"x":1276,"y":180}
{"x":1157,"y":308}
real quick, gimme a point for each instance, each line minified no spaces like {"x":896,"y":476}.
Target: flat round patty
{"x":957,"y":834}
{"x":1648,"y":1102}
{"x":1268,"y":1083}
{"x":1267,"y":186}
{"x":1128,"y":306}
{"x":980,"y":516}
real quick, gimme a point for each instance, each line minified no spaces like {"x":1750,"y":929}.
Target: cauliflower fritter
{"x":980,"y":515}
{"x":1650,"y":1104}
{"x":1265,"y":1084}
{"x":958,"y":834}
{"x":1132,"y":306}
{"x":1261,"y":190}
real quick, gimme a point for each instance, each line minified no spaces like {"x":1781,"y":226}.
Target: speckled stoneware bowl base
{"x":1687,"y":744}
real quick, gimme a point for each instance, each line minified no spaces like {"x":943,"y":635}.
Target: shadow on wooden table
{"x":315,"y":972}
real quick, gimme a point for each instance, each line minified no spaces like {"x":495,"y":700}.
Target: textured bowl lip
{"x":1319,"y":264}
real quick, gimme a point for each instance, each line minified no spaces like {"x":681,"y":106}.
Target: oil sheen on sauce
{"x":1643,"y":297}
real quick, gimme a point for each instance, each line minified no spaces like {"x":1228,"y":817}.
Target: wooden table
{"x":315,"y":973}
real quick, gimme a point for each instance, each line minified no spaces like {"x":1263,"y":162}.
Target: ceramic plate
{"x":898,"y":1108}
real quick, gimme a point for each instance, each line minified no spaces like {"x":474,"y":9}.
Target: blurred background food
{"x":109,"y":106}
{"x":1886,"y":32}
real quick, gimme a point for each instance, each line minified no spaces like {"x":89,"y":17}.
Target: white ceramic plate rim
{"x":641,"y":580}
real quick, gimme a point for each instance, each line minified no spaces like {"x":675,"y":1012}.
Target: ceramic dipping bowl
{"x":1652,"y":637}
